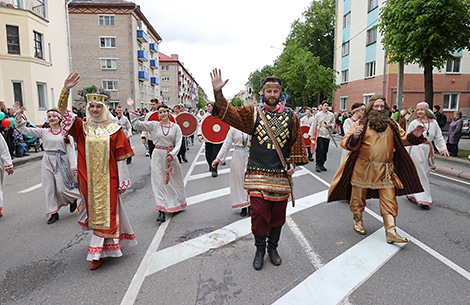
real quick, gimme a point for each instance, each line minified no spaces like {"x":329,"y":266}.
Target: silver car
{"x":466,"y":126}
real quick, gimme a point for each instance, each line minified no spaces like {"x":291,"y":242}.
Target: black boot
{"x":73,"y":206}
{"x":214,"y":171}
{"x":179,"y":158}
{"x":54,"y":218}
{"x":249,"y":210}
{"x":129,"y":160}
{"x":260,"y":243}
{"x":161,"y":216}
{"x":273,"y":241}
{"x":243,"y":212}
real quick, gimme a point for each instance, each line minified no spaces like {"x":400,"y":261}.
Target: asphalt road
{"x":203,"y":255}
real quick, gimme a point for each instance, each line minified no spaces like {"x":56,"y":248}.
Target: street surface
{"x":203,"y":255}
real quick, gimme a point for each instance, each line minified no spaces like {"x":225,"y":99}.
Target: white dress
{"x":167,"y":178}
{"x":5,"y":163}
{"x":346,"y":126}
{"x":423,"y":157}
{"x":58,"y":191}
{"x":240,"y":140}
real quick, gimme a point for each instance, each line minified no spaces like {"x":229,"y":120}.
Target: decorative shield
{"x":214,"y":130}
{"x":187,"y":123}
{"x":154,"y":117}
{"x":314,"y":142}
{"x":305,"y":135}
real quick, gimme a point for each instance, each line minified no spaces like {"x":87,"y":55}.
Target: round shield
{"x":305,"y":136}
{"x":154,"y":117}
{"x":214,"y":130}
{"x":187,"y":123}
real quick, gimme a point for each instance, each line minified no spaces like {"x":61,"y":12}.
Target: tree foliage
{"x":237,"y":102}
{"x":426,"y":32}
{"x":202,"y":99}
{"x":256,"y":79}
{"x":93,"y":89}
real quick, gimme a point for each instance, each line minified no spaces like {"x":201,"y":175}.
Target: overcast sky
{"x":237,"y":36}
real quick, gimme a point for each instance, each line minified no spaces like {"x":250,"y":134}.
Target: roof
{"x":163,"y":57}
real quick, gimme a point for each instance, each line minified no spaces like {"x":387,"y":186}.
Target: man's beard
{"x":271,"y":103}
{"x":378,"y":120}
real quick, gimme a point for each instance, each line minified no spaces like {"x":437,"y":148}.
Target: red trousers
{"x":266,"y":214}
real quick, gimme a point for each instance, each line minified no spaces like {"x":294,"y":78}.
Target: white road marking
{"x":450,"y":178}
{"x":30,"y":189}
{"x":208,"y":195}
{"x":205,"y":162}
{"x":208,"y":174}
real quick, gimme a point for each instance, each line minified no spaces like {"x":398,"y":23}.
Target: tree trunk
{"x":428,"y":82}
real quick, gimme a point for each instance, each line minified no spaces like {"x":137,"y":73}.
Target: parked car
{"x":466,"y":126}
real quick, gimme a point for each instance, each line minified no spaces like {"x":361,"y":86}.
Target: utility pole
{"x":401,"y":73}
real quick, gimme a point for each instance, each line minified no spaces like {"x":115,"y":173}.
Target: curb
{"x":19,"y":161}
{"x":453,"y":172}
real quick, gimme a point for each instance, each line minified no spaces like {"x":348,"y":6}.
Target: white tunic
{"x":125,"y":125}
{"x":169,"y":194}
{"x":346,"y":126}
{"x":5,"y":163}
{"x":240,"y":140}
{"x":57,"y":193}
{"x":421,"y":156}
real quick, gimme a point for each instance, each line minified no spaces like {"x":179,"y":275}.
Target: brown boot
{"x":358,"y":225}
{"x":390,"y":230}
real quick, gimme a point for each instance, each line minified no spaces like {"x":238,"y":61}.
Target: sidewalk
{"x":33,"y":156}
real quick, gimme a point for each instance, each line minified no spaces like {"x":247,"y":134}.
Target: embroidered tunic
{"x":5,"y":163}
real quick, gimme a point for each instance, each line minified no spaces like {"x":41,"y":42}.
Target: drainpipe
{"x":131,"y":53}
{"x":383,"y":78}
{"x":68,"y":38}
{"x":334,"y":54}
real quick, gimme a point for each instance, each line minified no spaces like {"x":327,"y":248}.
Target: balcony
{"x":142,"y":55}
{"x":154,"y":80}
{"x":153,"y":47}
{"x":143,"y":75}
{"x":142,"y":36}
{"x":153,"y":64}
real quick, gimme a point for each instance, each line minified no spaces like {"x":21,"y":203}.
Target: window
{"x":141,"y":87}
{"x":110,"y":85}
{"x":370,"y":69}
{"x":166,"y":89}
{"x":166,"y":99}
{"x":373,"y":4}
{"x":106,"y":20}
{"x":13,"y":39}
{"x":165,"y":68}
{"x":18,"y":92}
{"x":347,"y":20}
{"x":345,"y":48}
{"x":343,"y":103}
{"x":42,"y":96}
{"x":451,"y":101}
{"x":366,"y":97}
{"x":107,"y":42}
{"x":108,"y":63}
{"x":113,"y":104}
{"x":453,"y":66}
{"x":344,"y":76}
{"x":371,"y":36}
{"x":38,"y":48}
{"x":165,"y":78}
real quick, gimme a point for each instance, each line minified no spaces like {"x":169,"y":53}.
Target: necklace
{"x":55,"y":132}
{"x":427,"y":129}
{"x":163,"y":130}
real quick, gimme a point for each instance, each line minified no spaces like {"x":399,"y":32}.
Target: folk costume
{"x":323,"y":137}
{"x":127,"y":129}
{"x":167,"y":177}
{"x":60,"y":188}
{"x":423,"y":156}
{"x":102,"y":151}
{"x":211,"y":149}
{"x":240,"y":141}
{"x":378,"y":166}
{"x":308,"y":121}
{"x":265,"y":178}
{"x":145,"y":135}
{"x":5,"y":163}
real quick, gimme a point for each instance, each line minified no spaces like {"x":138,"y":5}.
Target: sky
{"x":236,"y":36}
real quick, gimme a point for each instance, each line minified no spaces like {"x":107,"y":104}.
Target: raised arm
{"x":21,"y":124}
{"x":69,"y":83}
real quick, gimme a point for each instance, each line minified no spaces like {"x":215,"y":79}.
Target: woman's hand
{"x":71,"y":80}
{"x":169,"y":158}
{"x":17,"y":109}
{"x":130,"y":103}
{"x":199,"y":137}
{"x":445,"y":153}
{"x":214,"y":163}
{"x":10,"y":171}
{"x":74,"y":172}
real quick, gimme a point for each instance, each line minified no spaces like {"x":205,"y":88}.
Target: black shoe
{"x":184,"y":159}
{"x":273,"y":241}
{"x":243,"y":212}
{"x":129,"y":160}
{"x":54,"y":218}
{"x":310,"y":159}
{"x":425,"y":206}
{"x":161,"y":216}
{"x":260,"y":243}
{"x":214,"y":173}
{"x":323,"y":168}
{"x":249,"y":210}
{"x":26,"y":154}
{"x":223,"y":163}
{"x":318,"y":169}
{"x":274,"y":257}
{"x":73,"y":206}
{"x":179,"y":158}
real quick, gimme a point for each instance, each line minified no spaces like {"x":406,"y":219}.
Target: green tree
{"x":237,"y":102}
{"x":202,"y":99}
{"x":425,"y":32}
{"x":93,"y":89}
{"x":256,"y":79}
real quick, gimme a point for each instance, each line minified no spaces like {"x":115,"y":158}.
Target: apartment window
{"x":166,"y":89}
{"x":108,"y":63}
{"x":453,"y":66}
{"x":347,"y":20}
{"x":110,"y":85}
{"x":18,"y":92}
{"x":343,"y":103}
{"x":141,"y":87}
{"x":451,"y":102}
{"x":13,"y":39}
{"x":42,"y":96}
{"x":344,"y":76}
{"x":38,"y":46}
{"x":106,"y":20}
{"x":113,"y":104}
{"x":370,"y":69}
{"x":165,"y":68}
{"x":371,"y":36}
{"x":373,"y":4}
{"x":166,"y":99}
{"x":366,"y":97}
{"x":107,"y":42}
{"x":165,"y":78}
{"x":345,"y":48}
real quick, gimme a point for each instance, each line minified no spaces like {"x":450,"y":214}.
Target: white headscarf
{"x":106,"y":115}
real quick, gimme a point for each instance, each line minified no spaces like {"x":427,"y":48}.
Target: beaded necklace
{"x":163,"y":130}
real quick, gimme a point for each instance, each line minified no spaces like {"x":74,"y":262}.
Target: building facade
{"x":178,"y":86}
{"x":34,"y":58}
{"x":365,"y":71}
{"x":115,"y":47}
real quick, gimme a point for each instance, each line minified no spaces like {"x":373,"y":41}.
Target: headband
{"x":422,"y":105}
{"x":57,"y":112}
{"x":266,"y":86}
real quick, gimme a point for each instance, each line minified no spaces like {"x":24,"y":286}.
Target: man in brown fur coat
{"x":377,"y":166}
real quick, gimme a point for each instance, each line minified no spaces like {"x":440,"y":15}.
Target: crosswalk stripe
{"x":29,"y":189}
{"x":208,"y":195}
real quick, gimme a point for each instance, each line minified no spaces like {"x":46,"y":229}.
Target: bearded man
{"x":266,"y":179}
{"x":377,"y":166}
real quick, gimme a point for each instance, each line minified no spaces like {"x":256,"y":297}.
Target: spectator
{"x":21,"y":148}
{"x":395,"y":113}
{"x":455,"y":132}
{"x":440,"y":117}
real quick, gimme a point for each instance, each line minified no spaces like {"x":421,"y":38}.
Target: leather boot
{"x":54,"y":218}
{"x":390,"y":230}
{"x":273,"y":241}
{"x":243,"y":212}
{"x":260,"y":243}
{"x":358,"y":225}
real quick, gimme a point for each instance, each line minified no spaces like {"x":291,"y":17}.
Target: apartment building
{"x":365,"y":71}
{"x":114,"y":47}
{"x":34,"y":57}
{"x":178,"y":86}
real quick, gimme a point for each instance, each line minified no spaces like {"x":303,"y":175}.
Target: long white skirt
{"x":420,"y":155}
{"x":238,"y":195}
{"x":2,"y":178}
